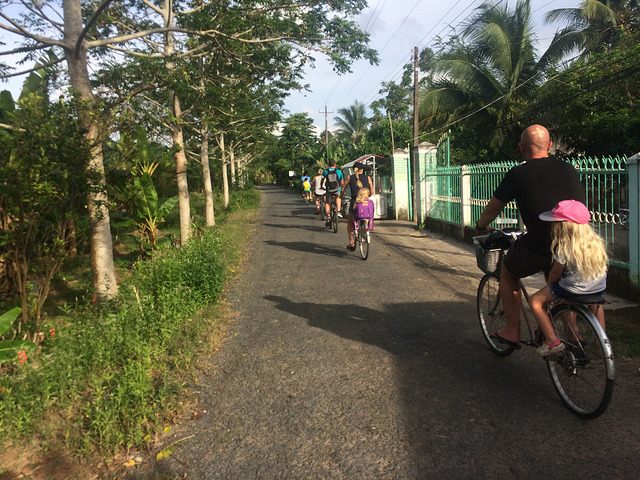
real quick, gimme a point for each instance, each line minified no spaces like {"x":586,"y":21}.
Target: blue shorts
{"x":558,"y":292}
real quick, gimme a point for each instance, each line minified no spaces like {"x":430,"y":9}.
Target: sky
{"x":396,"y":27}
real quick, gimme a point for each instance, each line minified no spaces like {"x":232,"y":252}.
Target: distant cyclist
{"x":333,"y":184}
{"x":356,"y":181}
{"x":318,"y":189}
{"x":306,"y":186}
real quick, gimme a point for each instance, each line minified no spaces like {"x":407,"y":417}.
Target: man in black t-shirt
{"x":537,"y":185}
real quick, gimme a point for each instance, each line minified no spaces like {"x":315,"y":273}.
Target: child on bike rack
{"x":579,"y":267}
{"x":363,"y":208}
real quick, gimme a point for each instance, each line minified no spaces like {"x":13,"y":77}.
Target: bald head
{"x":535,"y":142}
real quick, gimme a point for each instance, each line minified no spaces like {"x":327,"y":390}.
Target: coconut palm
{"x":352,"y":123}
{"x":594,"y":26}
{"x":485,"y":77}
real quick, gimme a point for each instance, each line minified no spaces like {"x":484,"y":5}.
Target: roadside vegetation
{"x":107,"y":376}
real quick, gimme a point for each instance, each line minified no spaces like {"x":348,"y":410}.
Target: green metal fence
{"x":605,"y":181}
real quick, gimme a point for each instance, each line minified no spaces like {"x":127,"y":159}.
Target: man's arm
{"x":490,"y":212}
{"x":344,"y":183}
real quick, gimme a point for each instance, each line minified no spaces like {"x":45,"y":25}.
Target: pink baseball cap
{"x":567,"y":211}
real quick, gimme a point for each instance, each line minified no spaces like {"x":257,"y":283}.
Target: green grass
{"x":112,"y":374}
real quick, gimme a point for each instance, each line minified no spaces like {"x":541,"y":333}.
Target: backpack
{"x":333,"y":184}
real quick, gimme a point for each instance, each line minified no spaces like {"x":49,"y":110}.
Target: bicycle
{"x":323,"y":212}
{"x":333,"y":214}
{"x":583,"y":374}
{"x":362,"y":236}
{"x":307,"y":197}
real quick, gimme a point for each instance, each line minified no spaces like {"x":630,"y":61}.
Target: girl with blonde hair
{"x":579,"y":267}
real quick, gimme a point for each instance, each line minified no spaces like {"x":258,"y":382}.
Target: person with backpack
{"x":333,"y":184}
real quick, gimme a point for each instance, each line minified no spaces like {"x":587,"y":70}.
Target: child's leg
{"x":538,"y":301}
{"x":598,"y":311}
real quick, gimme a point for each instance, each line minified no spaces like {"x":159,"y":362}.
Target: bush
{"x":109,"y":374}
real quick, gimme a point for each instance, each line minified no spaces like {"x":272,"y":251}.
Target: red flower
{"x":22,"y":355}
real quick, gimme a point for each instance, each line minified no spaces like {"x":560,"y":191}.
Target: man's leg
{"x":327,"y":204}
{"x":511,"y":300}
{"x":339,"y":205}
{"x":350,"y":228}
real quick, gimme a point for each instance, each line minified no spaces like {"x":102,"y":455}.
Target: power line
{"x":407,"y":57}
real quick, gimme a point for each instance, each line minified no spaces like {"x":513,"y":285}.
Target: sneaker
{"x":555,"y":347}
{"x":327,"y":224}
{"x":340,"y":215}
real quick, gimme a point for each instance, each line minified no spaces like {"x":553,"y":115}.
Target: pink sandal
{"x":556,"y":347}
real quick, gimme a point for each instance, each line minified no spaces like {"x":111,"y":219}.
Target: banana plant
{"x":148,"y":212}
{"x":12,"y":350}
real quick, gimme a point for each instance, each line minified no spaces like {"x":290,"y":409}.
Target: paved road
{"x":337,"y":368}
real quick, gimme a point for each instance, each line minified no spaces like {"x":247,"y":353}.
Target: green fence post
{"x":634,"y":221}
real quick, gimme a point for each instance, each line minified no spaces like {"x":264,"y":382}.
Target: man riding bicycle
{"x":537,"y":185}
{"x":333,"y":184}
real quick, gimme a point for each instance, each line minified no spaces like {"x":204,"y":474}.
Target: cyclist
{"x":537,"y":185}
{"x":579,"y":267}
{"x":306,"y":185}
{"x":356,"y":181}
{"x":333,"y":184}
{"x":318,"y":189}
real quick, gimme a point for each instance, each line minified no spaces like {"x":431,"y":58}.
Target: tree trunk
{"x":176,"y":134}
{"x":232,"y":164}
{"x":104,"y":274}
{"x":181,"y":172}
{"x":206,"y":173}
{"x":225,"y":177}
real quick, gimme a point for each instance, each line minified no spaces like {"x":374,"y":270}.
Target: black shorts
{"x":523,"y":263}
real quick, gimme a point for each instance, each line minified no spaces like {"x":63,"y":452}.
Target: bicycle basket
{"x":487,"y":259}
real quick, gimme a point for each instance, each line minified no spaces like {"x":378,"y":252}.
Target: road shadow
{"x":315,"y":248}
{"x":444,"y":372}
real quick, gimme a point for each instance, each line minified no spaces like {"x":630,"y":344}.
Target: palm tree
{"x":594,"y":26}
{"x":352,"y":123}
{"x":486,"y":83}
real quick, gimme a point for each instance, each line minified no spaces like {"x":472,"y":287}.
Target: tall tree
{"x":352,"y":122}
{"x":484,"y":79}
{"x":298,"y":146}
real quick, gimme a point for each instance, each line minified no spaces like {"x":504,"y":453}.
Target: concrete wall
{"x":400,"y":182}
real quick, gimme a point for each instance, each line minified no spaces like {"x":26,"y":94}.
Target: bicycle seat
{"x":591,"y":299}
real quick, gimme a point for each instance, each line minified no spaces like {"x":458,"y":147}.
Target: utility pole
{"x":414,"y":152}
{"x":326,"y":131}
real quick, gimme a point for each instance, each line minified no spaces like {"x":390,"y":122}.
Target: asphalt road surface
{"x":339,"y":368}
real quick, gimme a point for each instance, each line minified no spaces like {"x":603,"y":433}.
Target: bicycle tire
{"x":583,"y":374}
{"x":491,"y":314}
{"x":363,"y":239}
{"x":334,"y":218}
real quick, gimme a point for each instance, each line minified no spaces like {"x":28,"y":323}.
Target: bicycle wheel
{"x":584,"y":372}
{"x":491,"y":314}
{"x":334,"y":218}
{"x":363,"y":239}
